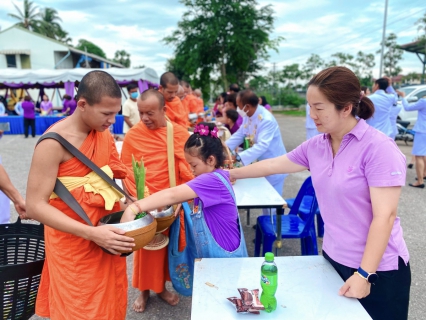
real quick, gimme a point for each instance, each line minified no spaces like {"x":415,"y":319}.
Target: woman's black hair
{"x":264,"y":102}
{"x":205,"y":146}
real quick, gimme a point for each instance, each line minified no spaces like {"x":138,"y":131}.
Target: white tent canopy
{"x":29,"y":76}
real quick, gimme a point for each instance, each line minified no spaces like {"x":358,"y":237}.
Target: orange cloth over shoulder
{"x":176,"y":112}
{"x":79,"y":280}
{"x":200,"y":103}
{"x":192,"y":103}
{"x":150,"y":268}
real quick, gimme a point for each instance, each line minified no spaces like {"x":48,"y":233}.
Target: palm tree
{"x":48,"y":23}
{"x":27,"y":18}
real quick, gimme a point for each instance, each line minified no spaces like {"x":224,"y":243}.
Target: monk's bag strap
{"x":171,"y":155}
{"x":63,"y":193}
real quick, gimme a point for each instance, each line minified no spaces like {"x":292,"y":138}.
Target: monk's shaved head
{"x":153,"y":93}
{"x":181,"y":93}
{"x":198,"y":93}
{"x":185,"y":84}
{"x":97,"y":84}
{"x":168,"y":78}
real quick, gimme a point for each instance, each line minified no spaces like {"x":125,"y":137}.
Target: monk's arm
{"x":159,"y":199}
{"x":41,"y":181}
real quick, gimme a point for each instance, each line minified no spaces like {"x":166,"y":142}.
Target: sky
{"x":323,"y":27}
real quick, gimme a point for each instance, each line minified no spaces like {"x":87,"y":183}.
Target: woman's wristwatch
{"x":369,"y":277}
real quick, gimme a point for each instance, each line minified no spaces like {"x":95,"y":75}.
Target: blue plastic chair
{"x":304,"y":210}
{"x":293,"y":225}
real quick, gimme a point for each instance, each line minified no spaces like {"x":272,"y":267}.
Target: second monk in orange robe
{"x":147,"y":139}
{"x":175,"y":110}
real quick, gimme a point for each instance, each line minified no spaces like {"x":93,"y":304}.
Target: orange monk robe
{"x":176,"y":112}
{"x":192,"y":103}
{"x":79,"y":280}
{"x":150,"y":268}
{"x":200,"y":105}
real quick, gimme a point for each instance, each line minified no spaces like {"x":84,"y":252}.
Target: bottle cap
{"x":269,"y":256}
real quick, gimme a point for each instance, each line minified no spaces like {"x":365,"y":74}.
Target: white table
{"x":307,"y":289}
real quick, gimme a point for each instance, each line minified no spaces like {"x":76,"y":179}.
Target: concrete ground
{"x":17,"y":152}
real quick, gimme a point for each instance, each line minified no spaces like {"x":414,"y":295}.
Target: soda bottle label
{"x":269,"y":281}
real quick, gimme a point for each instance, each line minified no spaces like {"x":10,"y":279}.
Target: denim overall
{"x":206,"y":245}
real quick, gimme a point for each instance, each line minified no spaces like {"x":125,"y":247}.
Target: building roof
{"x":414,"y":47}
{"x":70,"y":48}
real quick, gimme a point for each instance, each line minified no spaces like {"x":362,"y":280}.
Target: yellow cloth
{"x":93,"y":183}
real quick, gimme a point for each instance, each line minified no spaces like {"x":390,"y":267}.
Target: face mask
{"x":241,"y":112}
{"x":134,"y":95}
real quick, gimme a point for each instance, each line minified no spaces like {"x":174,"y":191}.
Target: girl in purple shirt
{"x":357,"y":173}
{"x":46,"y":106}
{"x":215,"y":213}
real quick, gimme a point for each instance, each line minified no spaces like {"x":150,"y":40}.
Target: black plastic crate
{"x":21,"y":263}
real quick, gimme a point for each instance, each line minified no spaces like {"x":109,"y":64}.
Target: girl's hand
{"x":355,"y":287}
{"x":130,"y":213}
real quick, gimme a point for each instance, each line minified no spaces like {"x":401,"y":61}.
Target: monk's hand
{"x":355,"y":287}
{"x":178,"y":208}
{"x":111,"y":238}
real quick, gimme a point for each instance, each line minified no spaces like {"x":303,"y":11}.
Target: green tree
{"x":230,"y":37}
{"x":28,"y":17}
{"x":62,"y":36}
{"x":393,"y":54}
{"x":411,"y":77}
{"x":90,"y":47}
{"x":312,"y":66}
{"x":364,"y":68}
{"x":48,"y":24}
{"x":342,"y":59}
{"x":291,"y":74}
{"x":122,"y":57}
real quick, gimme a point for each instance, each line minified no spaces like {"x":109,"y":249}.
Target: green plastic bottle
{"x":269,"y":282}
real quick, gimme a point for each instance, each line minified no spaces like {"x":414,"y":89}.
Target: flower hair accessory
{"x":203,"y":130}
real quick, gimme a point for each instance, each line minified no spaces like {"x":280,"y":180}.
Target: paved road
{"x":17,"y":152}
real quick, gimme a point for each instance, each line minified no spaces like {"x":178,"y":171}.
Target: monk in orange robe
{"x":147,"y":140}
{"x":175,"y":111}
{"x":79,"y":280}
{"x":200,"y":102}
{"x":190,"y":99}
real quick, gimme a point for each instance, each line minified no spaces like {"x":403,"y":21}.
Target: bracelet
{"x":132,"y":208}
{"x":356,"y":272}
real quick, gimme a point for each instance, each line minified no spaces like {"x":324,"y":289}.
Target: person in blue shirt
{"x":263,"y":132}
{"x":419,"y":144}
{"x":384,"y":97}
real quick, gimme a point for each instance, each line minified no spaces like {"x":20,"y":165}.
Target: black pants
{"x":389,"y":296}
{"x":29,"y":123}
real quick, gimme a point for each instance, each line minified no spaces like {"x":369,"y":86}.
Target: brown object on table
{"x":246,"y":296}
{"x":257,"y":305}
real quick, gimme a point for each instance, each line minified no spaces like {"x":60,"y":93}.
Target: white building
{"x":24,"y":49}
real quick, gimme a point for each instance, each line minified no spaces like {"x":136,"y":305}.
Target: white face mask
{"x":241,"y":112}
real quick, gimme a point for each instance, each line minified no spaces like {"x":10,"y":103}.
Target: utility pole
{"x":383,"y":38}
{"x":273,"y":80}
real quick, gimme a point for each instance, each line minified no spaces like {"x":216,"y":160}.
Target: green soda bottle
{"x":269,"y":282}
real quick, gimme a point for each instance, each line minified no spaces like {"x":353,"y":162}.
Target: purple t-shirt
{"x":219,"y":208}
{"x":29,"y":110}
{"x":267,"y":107}
{"x":72,"y":104}
{"x":46,"y":105}
{"x":366,"y":158}
{"x":234,"y":128}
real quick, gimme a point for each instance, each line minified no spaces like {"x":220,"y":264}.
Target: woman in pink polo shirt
{"x":357,"y":173}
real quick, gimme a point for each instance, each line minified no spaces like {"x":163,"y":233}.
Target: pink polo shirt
{"x":366,"y":158}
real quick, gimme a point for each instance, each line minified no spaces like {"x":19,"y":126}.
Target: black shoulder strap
{"x":80,"y":156}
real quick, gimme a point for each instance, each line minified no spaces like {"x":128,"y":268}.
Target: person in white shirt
{"x":384,"y":97}
{"x":311,"y":128}
{"x":130,"y":108}
{"x":419,"y":144}
{"x":263,"y":133}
